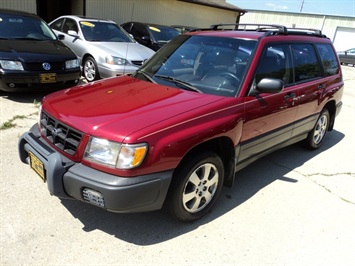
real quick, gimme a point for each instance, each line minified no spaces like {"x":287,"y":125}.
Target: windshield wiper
{"x":181,"y":83}
{"x":146,"y":75}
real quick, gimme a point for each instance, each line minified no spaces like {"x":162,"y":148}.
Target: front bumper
{"x":14,"y":81}
{"x":107,"y":71}
{"x":67,"y":179}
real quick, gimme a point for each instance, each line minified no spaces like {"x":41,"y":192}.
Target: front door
{"x":269,"y":117}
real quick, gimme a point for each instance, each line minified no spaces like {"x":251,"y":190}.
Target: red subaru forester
{"x":206,"y":105}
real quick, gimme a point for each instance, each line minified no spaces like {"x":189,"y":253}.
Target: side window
{"x":329,"y":60}
{"x":70,"y":25}
{"x":275,"y":63}
{"x":57,"y":25}
{"x":139,"y":31}
{"x":305,"y":61}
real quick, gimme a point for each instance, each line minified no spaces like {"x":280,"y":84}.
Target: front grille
{"x":37,"y":66}
{"x":137,"y":63}
{"x":63,"y":137}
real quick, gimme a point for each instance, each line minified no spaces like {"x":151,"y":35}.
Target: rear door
{"x":316,"y":69}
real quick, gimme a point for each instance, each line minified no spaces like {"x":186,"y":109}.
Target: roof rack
{"x":306,"y":31}
{"x":253,"y":27}
{"x":269,"y":28}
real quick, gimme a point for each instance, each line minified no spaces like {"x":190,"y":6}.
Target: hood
{"x":118,"y":107}
{"x":131,"y":51}
{"x":27,"y":50}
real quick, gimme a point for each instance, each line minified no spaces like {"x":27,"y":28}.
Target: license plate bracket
{"x":37,"y":166}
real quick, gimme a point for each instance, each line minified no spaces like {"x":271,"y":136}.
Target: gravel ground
{"x":293,"y":207}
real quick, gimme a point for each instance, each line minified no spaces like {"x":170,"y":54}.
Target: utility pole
{"x":302,"y":6}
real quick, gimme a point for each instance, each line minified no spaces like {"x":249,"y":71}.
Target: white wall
{"x":327,"y":24}
{"x":23,"y":5}
{"x":168,"y":12}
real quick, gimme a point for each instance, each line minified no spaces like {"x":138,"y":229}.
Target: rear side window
{"x":57,"y":25}
{"x":329,"y":60}
{"x":305,"y":62}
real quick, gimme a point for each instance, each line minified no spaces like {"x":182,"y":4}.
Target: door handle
{"x":321,"y":86}
{"x":290,"y":98}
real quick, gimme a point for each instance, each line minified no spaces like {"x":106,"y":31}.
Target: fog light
{"x":94,"y":197}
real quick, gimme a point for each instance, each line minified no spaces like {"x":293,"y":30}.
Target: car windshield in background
{"x":212,"y":65}
{"x":103,"y":32}
{"x":19,"y":27}
{"x":163,"y":34}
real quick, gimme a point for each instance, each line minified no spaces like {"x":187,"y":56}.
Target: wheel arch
{"x":224,"y":148}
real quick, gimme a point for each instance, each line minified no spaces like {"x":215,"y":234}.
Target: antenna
{"x":302,"y":6}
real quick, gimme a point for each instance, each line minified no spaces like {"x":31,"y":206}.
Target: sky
{"x":323,"y":7}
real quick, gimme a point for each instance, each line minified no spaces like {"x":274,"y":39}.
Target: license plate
{"x":48,"y":78}
{"x":37,"y":166}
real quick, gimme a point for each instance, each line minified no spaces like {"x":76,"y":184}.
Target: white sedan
{"x":103,"y":47}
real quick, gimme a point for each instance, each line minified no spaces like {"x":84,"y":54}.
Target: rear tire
{"x":90,"y":69}
{"x":318,"y":133}
{"x":195,"y":187}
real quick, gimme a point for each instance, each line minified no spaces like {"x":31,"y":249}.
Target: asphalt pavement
{"x":293,"y":207}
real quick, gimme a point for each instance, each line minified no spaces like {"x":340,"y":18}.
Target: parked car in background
{"x":153,"y":36}
{"x":347,"y":57}
{"x":103,"y":48}
{"x":173,"y":133}
{"x":31,"y":55}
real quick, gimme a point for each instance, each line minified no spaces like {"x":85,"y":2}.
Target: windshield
{"x":205,"y":64}
{"x":14,"y":26}
{"x":103,"y":32}
{"x":163,"y":34}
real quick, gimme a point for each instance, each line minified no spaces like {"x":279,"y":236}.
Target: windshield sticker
{"x":85,"y":23}
{"x":155,"y":29}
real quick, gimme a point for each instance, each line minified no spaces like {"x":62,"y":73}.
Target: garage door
{"x":344,"y":38}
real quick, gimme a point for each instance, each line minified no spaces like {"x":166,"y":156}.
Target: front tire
{"x":318,"y":133}
{"x":195,"y":187}
{"x":90,"y":69}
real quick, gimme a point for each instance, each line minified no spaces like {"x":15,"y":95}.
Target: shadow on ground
{"x":155,"y":227}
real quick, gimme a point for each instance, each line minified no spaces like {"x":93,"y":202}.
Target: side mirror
{"x":270,"y":85}
{"x":73,"y":33}
{"x":145,"y":39}
{"x":267,"y":85}
{"x":61,"y":37}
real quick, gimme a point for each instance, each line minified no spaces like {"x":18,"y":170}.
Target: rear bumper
{"x":67,"y":179}
{"x":338,"y":108}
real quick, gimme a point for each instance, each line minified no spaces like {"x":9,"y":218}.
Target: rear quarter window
{"x":328,"y":57}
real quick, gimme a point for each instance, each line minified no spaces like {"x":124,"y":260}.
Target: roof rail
{"x":306,"y":31}
{"x":253,"y":27}
{"x":270,"y":28}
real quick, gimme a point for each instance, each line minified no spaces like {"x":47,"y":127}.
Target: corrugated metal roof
{"x":222,"y":4}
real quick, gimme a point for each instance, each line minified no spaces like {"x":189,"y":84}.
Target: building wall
{"x":23,"y":5}
{"x":327,"y":24}
{"x":168,"y":12}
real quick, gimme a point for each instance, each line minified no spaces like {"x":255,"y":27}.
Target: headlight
{"x":113,"y":60}
{"x":113,"y":154}
{"x":11,"y":65}
{"x":72,"y":64}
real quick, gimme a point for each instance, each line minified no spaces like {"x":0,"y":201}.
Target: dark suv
{"x":206,"y":105}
